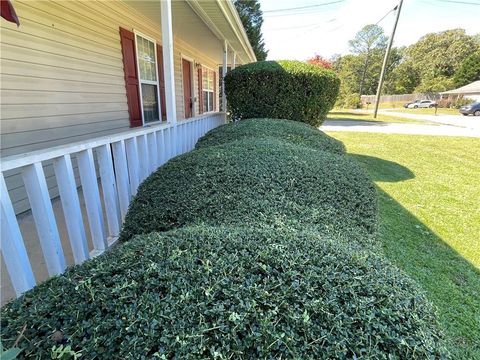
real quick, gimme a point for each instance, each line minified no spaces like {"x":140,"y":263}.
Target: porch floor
{"x":32,"y":244}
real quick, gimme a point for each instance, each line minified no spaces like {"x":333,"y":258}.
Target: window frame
{"x":212,"y":91}
{"x":148,"y":82}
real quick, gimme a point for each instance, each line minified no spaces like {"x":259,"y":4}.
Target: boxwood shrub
{"x":259,"y":182}
{"x":281,"y":90}
{"x":221,"y":293}
{"x":292,"y":132}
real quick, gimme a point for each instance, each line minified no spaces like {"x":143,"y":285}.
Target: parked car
{"x":413,"y":102}
{"x":471,"y":109}
{"x":423,"y":104}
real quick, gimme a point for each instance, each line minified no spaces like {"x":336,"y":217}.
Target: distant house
{"x":470,"y":91}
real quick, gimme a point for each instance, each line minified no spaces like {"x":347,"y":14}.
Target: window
{"x":208,"y":77}
{"x":148,"y":78}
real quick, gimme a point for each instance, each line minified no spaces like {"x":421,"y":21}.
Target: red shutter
{"x":8,"y":12}
{"x":131,"y":77}
{"x":214,"y":91}
{"x":200,"y":91}
{"x":161,"y":78}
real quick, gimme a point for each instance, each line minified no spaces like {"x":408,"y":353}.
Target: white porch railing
{"x":124,"y":161}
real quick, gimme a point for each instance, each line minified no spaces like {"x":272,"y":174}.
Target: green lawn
{"x":398,"y":107}
{"x":429,"y":189}
{"x":342,"y":114}
{"x":427,"y":111}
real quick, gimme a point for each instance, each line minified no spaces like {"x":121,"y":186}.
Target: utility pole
{"x":385,"y":59}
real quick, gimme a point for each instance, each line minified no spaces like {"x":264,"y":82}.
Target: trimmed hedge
{"x":292,"y":132}
{"x":269,"y":262}
{"x":281,"y":90}
{"x":228,"y":293}
{"x":259,"y":182}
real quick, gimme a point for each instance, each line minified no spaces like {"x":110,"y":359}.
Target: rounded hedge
{"x":292,"y":132}
{"x":223,"y":293}
{"x":281,"y":90}
{"x":260,"y":182}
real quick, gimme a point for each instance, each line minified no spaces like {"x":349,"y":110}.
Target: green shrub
{"x":200,"y":293}
{"x":352,"y":101}
{"x":459,"y":102}
{"x":260,"y":182}
{"x":281,"y":90}
{"x":291,"y":132}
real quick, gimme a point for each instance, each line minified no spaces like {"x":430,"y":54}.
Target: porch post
{"x":167,"y":49}
{"x":224,"y":72}
{"x":234,"y":60}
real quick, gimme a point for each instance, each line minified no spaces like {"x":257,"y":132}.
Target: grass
{"x":427,"y":111}
{"x":430,"y":221}
{"x":397,"y":106}
{"x":389,"y":105}
{"x":343,"y":114}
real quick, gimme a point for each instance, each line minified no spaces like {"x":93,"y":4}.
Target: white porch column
{"x":234,"y":60}
{"x":167,"y":46}
{"x":224,"y":72}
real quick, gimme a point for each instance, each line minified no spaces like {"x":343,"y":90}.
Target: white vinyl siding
{"x":62,"y":79}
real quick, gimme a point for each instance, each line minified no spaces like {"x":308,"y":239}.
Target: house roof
{"x":223,"y":20}
{"x":198,"y":22}
{"x":471,"y":88}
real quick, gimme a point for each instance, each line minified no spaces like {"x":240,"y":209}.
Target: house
{"x":470,"y":91}
{"x":95,"y":95}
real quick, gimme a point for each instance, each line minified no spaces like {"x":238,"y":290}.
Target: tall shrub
{"x":281,"y":89}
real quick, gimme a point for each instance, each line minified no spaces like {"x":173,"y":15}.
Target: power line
{"x":310,"y":27}
{"x":301,"y":26}
{"x":459,"y":2}
{"x":384,"y":16}
{"x":299,"y":12}
{"x":303,"y":7}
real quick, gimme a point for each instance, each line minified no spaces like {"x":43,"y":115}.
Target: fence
{"x":402,"y":97}
{"x":124,"y":161}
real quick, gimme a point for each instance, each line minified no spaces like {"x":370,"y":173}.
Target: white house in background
{"x":95,"y":95}
{"x":470,"y":91}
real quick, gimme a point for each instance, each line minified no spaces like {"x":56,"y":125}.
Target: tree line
{"x":437,"y":62}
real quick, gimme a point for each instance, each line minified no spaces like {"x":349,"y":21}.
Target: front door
{"x":187,"y":87}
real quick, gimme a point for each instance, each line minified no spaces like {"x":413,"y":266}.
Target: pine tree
{"x":252,"y":19}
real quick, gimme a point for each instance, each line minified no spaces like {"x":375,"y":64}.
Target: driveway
{"x":468,"y":122}
{"x":448,"y":125}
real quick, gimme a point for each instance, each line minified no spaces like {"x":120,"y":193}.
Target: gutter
{"x":246,"y":43}
{"x":233,"y":19}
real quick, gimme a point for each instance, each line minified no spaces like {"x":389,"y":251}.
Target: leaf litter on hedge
{"x":265,"y":250}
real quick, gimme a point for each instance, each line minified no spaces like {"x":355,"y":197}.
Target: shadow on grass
{"x":450,"y":281}
{"x":383,"y":170}
{"x":355,"y":122}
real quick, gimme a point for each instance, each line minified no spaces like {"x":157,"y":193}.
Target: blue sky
{"x":325,"y":30}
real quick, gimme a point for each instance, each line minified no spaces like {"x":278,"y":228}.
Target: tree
{"x":468,"y":71}
{"x":350,"y":69}
{"x":403,"y":79}
{"x":252,"y":20}
{"x":434,"y":85}
{"x":320,"y":61}
{"x":437,"y":56}
{"x":400,"y":77}
{"x":366,"y":41}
